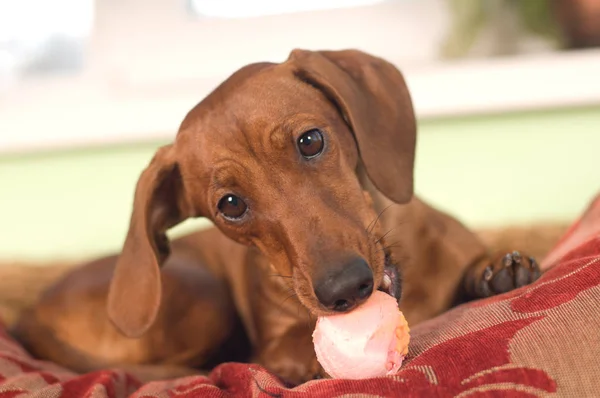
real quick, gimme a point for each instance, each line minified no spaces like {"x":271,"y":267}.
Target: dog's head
{"x":274,"y":157}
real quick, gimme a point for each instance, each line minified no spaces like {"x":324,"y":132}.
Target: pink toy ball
{"x":370,"y":341}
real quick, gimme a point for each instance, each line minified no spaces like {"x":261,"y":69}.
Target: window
{"x":41,"y":36}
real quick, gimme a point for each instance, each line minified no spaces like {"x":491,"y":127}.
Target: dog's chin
{"x":391,"y":283}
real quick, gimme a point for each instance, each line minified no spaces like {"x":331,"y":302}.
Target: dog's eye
{"x":311,"y":143}
{"x":232,"y":207}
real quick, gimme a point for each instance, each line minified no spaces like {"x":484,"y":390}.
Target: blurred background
{"x":507,"y":93}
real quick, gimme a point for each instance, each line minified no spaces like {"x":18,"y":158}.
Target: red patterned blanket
{"x":539,"y":340}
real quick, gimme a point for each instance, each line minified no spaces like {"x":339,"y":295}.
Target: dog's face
{"x":273,"y":165}
{"x":271,"y":157}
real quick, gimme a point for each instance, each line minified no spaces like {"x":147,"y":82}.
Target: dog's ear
{"x":135,"y":291}
{"x":374,"y":100}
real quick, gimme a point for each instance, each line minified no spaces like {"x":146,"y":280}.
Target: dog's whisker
{"x":308,"y":319}
{"x":389,"y":247}
{"x":308,"y":316}
{"x":395,"y":228}
{"x":386,"y":247}
{"x":292,"y":294}
{"x":393,"y":244}
{"x":281,"y":307}
{"x":384,"y":235}
{"x":281,"y":276}
{"x":372,"y":224}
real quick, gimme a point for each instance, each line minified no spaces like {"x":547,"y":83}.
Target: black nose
{"x":350,"y":285}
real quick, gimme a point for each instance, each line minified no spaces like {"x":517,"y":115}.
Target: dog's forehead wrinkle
{"x":260,"y":113}
{"x":223,"y":174}
{"x":263,"y":136}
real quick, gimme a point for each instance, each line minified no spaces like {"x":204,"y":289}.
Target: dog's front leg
{"x":291,"y":355}
{"x":499,"y":274}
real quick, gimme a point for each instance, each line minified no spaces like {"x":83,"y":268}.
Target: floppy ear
{"x":135,"y":291}
{"x":374,"y":100}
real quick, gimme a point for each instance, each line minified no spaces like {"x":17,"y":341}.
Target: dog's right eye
{"x":232,"y":207}
{"x":311,"y":143}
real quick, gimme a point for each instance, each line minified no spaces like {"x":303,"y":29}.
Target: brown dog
{"x":306,"y":169}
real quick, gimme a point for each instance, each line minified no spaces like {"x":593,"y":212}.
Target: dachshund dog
{"x":305,"y":168}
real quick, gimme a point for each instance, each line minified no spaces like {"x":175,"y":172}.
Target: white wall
{"x":149,"y":62}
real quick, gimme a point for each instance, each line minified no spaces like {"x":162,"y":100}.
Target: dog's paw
{"x":508,"y":272}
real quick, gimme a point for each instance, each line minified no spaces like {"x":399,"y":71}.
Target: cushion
{"x":542,"y":339}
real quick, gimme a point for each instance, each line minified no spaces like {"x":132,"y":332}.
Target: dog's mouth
{"x":391,"y":279}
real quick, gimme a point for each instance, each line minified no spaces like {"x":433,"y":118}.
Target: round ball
{"x":370,"y":341}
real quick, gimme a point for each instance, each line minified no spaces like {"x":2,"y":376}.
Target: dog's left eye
{"x":311,"y":143}
{"x":232,"y":207}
